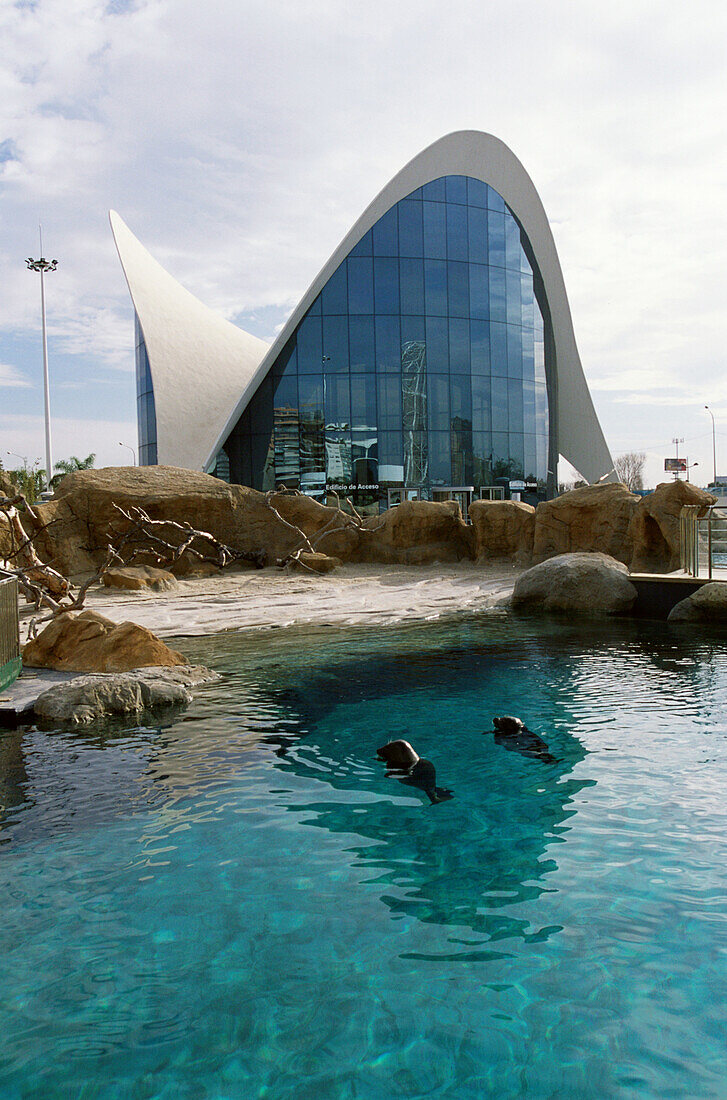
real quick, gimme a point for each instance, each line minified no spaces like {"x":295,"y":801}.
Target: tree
{"x":28,"y":481}
{"x":70,"y":465}
{"x":630,"y":469}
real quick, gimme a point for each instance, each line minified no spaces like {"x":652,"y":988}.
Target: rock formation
{"x":503,"y":529}
{"x":88,"y":642}
{"x":139,"y":578}
{"x":83,"y":518}
{"x":654,"y":528}
{"x":594,"y":519}
{"x":314,"y":563}
{"x":576,"y":583}
{"x":73,"y":530}
{"x":417,"y":532}
{"x":86,"y":698}
{"x":707,"y":605}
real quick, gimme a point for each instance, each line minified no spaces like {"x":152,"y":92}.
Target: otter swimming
{"x":398,"y":754}
{"x":513,"y":734}
{"x":408,"y":767}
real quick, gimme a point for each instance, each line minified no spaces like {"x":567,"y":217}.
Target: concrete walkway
{"x":17,"y":701}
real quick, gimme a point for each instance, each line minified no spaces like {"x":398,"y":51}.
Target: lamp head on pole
{"x":41,"y":265}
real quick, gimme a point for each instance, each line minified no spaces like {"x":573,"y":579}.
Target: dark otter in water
{"x":398,"y":754}
{"x":513,"y":734}
{"x":407,"y":766}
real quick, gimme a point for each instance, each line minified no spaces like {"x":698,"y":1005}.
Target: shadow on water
{"x":461,"y":863}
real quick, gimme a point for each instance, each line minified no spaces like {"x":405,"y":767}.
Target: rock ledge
{"x":86,"y":698}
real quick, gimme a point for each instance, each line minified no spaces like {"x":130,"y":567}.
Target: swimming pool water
{"x":239,"y":903}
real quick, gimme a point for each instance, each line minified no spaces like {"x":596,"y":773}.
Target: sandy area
{"x":253,"y":600}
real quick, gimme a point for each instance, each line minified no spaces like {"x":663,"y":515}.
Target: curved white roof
{"x":484,"y":157}
{"x":199,"y":362}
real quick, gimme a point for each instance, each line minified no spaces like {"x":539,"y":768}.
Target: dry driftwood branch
{"x":346,"y":522}
{"x":39,"y":582}
{"x":49,"y":590}
{"x":145,"y":534}
{"x":77,"y":602}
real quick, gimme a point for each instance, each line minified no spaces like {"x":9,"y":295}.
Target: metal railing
{"x":703,"y":539}
{"x":10,"y":662}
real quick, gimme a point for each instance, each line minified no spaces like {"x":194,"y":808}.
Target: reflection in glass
{"x":438,"y":385}
{"x":414,"y":385}
{"x":421,"y":363}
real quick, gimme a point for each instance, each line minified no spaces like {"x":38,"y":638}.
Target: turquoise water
{"x":239,"y":903}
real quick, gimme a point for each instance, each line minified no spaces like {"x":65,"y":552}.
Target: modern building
{"x":433,"y":355}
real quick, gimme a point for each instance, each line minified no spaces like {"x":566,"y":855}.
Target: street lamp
{"x":42,"y":265}
{"x":714,"y":446}
{"x":133,"y":452}
{"x":690,"y":466}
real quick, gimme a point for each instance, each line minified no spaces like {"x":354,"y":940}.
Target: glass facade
{"x":145,"y":409}
{"x":420,"y":365}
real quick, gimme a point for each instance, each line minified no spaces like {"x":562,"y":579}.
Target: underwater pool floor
{"x":237,"y":902}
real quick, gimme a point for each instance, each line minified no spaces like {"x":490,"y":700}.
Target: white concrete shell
{"x":199,"y":362}
{"x":484,"y":157}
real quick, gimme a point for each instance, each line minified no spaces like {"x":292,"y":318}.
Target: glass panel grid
{"x":423,"y":355}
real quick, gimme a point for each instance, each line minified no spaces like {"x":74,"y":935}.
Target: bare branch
{"x":291,"y":526}
{"x":346,"y":523}
{"x":144,"y":531}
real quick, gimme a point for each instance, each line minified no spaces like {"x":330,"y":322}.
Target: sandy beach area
{"x":258,"y":600}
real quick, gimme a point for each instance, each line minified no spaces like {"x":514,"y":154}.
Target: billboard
{"x":675,"y":465}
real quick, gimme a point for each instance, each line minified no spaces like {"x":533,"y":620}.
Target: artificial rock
{"x":88,"y":642}
{"x":576,"y":583}
{"x":139,"y":578}
{"x":503,"y":529}
{"x":654,"y":528}
{"x":707,"y":605}
{"x":416,"y":532}
{"x":314,"y":563}
{"x":87,"y":698}
{"x":594,"y":519}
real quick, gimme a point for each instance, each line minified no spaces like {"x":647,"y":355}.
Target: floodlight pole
{"x":714,"y":446}
{"x":42,"y":265}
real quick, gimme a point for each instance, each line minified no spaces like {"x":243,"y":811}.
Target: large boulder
{"x":140,"y":578}
{"x":594,"y":519}
{"x":88,"y":642}
{"x":707,"y":605}
{"x":576,"y":583}
{"x":416,"y":532}
{"x":503,"y":529}
{"x":654,"y":528}
{"x":86,"y":698}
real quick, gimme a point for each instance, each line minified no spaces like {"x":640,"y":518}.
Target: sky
{"x":241,"y":140}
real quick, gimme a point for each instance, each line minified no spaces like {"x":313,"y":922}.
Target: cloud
{"x":24,"y":436}
{"x":241,"y":143}
{"x":11,"y":377}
